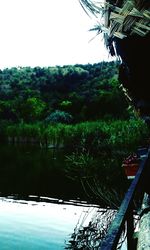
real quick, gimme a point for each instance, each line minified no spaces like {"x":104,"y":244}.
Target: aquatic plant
{"x":96,"y":138}
{"x":89,"y":236}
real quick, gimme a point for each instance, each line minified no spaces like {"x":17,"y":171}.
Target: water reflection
{"x":28,"y":170}
{"x":29,"y":173}
{"x":35,"y":225}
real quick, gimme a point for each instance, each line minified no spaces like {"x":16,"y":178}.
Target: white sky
{"x":47,"y":33}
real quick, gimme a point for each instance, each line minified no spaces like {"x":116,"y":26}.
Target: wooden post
{"x":144,"y":225}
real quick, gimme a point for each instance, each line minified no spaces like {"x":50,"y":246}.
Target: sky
{"x":47,"y":33}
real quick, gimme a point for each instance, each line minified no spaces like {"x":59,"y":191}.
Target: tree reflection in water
{"x":90,"y":235}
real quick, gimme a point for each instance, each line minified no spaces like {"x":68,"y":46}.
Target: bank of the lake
{"x":81,"y":160}
{"x":101,"y":135}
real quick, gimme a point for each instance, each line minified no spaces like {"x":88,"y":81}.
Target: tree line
{"x":67,"y":94}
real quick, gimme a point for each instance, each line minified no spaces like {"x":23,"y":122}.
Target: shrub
{"x":59,"y":117}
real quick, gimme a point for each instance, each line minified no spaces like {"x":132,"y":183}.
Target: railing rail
{"x":125,"y":212}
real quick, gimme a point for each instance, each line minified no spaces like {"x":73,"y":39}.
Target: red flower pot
{"x":130,"y":169}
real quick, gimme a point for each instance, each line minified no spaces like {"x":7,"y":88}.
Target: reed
{"x":96,"y":138}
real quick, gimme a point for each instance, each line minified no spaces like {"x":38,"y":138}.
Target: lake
{"x":31,"y":225}
{"x":39,"y":205}
{"x":27,"y":219}
{"x":26,"y":170}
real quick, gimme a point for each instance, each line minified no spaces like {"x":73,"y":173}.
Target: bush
{"x":59,"y":117}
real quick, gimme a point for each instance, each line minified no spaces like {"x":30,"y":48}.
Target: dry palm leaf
{"x":119,"y":18}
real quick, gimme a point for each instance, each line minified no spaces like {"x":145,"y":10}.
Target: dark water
{"x":26,"y":170}
{"x":38,"y":223}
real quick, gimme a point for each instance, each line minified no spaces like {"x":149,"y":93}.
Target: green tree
{"x":32,"y":109}
{"x":59,"y":117}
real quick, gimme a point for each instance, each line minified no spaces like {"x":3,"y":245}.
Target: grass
{"x":95,"y":137}
{"x":94,"y":151}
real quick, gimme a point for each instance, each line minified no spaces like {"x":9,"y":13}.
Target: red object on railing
{"x":130,"y":169}
{"x":131,"y":166}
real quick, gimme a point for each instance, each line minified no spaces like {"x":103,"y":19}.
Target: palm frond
{"x":119,"y":18}
{"x":92,"y":7}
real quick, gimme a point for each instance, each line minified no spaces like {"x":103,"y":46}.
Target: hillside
{"x":69,"y":94}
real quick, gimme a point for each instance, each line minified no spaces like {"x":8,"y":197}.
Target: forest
{"x":78,"y":108}
{"x":58,"y":105}
{"x":67,"y":94}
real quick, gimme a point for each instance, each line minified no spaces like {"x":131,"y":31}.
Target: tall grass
{"x":94,"y":137}
{"x":94,"y":151}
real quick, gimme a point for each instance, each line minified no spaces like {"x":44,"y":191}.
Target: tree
{"x":59,"y":117}
{"x":32,"y":109}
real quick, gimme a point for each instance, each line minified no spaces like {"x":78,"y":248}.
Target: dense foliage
{"x":80,"y":108}
{"x":97,"y":138}
{"x":67,"y":94}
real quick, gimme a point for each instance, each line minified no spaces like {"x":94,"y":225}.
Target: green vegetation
{"x":97,"y":138}
{"x":83,"y":92}
{"x":93,"y":150}
{"x":79,"y":108}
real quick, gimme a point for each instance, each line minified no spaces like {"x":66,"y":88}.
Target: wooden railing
{"x":124,"y":217}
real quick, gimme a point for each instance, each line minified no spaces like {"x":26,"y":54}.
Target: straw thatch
{"x":120,"y":18}
{"x":125,"y":25}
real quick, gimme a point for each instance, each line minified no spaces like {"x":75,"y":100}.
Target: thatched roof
{"x":120,"y":18}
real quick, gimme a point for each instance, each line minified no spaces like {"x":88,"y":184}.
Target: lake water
{"x":31,"y":225}
{"x":26,"y":170}
{"x":28,"y":221}
{"x":37,"y":223}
